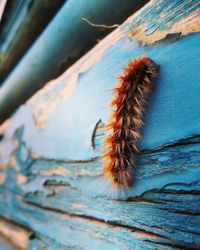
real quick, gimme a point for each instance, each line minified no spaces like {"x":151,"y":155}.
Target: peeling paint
{"x":59,"y":90}
{"x":140,"y":27}
{"x":146,"y":34}
{"x":2,"y":177}
{"x":60,"y":195}
{"x":77,"y":205}
{"x":83,"y":172}
{"x":146,"y":215}
{"x":4,"y":125}
{"x":55,"y":171}
{"x":21,"y":179}
{"x":16,"y":234}
{"x":145,"y":235}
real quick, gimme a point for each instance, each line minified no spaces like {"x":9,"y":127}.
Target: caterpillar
{"x":120,"y":147}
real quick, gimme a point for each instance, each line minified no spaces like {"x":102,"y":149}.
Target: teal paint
{"x":60,"y":45}
{"x":162,"y":202}
{"x":160,"y":18}
{"x":73,"y":233}
{"x":173,"y":106}
{"x":68,"y":208}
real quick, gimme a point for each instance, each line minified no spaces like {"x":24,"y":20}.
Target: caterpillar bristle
{"x":126,"y":119}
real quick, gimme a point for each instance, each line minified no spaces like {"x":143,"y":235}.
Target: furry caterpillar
{"x":126,"y":120}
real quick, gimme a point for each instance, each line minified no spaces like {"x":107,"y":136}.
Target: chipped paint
{"x":172,"y":19}
{"x":140,"y":27}
{"x":55,"y":171}
{"x":77,"y":205}
{"x":45,"y":101}
{"x":4,"y":125}
{"x":83,"y":172}
{"x":185,"y":26}
{"x":35,"y":155}
{"x":143,"y":218}
{"x":21,"y":179}
{"x":163,"y":206}
{"x":16,"y":234}
{"x":2,"y":177}
{"x":142,"y":234}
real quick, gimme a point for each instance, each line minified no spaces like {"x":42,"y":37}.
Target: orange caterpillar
{"x":126,"y":120}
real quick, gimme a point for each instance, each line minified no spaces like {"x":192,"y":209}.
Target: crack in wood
{"x":97,"y":220}
{"x":195,"y":139}
{"x":15,"y":232}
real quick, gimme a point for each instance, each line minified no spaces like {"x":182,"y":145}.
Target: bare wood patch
{"x":14,"y":233}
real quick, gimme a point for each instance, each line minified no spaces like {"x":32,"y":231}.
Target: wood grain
{"x":51,"y":168}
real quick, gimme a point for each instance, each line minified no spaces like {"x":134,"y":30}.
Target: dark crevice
{"x":32,"y":236}
{"x":170,"y":38}
{"x":195,"y":139}
{"x":94,"y":133}
{"x":14,"y":222}
{"x":190,"y":213}
{"x":189,"y":141}
{"x":90,"y":218}
{"x":170,"y":191}
{"x":55,"y":183}
{"x":175,"y":246}
{"x":1,"y":137}
{"x":182,"y":184}
{"x":142,"y":199}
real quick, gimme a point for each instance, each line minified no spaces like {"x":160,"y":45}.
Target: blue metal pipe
{"x":22,"y":22}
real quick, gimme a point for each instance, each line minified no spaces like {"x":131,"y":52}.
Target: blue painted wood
{"x":162,"y":209}
{"x":173,"y":104}
{"x":61,"y":44}
{"x":51,"y":171}
{"x":78,"y":234}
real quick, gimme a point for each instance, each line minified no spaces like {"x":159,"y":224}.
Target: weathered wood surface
{"x":13,"y":236}
{"x":65,"y":40}
{"x":49,"y":164}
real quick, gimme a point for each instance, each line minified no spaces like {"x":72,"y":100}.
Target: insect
{"x":120,"y":147}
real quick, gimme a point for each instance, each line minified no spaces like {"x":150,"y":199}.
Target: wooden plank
{"x":50,"y":168}
{"x":79,"y":232}
{"x":59,"y":46}
{"x":162,"y":203}
{"x":15,"y":237}
{"x":161,"y":194}
{"x":48,"y":118}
